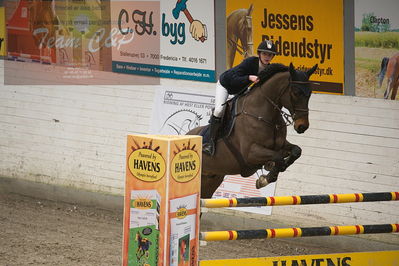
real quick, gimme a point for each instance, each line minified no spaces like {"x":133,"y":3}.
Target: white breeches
{"x":220,"y":98}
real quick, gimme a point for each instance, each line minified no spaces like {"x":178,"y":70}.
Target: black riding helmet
{"x":267,"y":46}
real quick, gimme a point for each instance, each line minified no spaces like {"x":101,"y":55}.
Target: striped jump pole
{"x":299,"y":200}
{"x":299,"y":232}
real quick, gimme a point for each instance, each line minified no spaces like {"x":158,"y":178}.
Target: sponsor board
{"x":162,"y":193}
{"x":305,"y":33}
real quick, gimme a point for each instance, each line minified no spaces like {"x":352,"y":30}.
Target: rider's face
{"x":265,"y":57}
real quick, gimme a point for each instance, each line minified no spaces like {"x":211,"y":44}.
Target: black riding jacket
{"x":237,"y":78}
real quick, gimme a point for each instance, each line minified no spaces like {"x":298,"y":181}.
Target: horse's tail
{"x":383,"y":70}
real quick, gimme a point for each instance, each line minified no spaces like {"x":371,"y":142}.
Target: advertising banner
{"x":161,"y":214}
{"x":377,"y":48}
{"x":176,"y":112}
{"x":171,"y":39}
{"x":66,"y":33}
{"x":352,"y":259}
{"x":75,"y":35}
{"x":305,"y":33}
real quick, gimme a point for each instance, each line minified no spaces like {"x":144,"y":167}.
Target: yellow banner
{"x":3,"y":42}
{"x":344,"y":259}
{"x":305,"y":32}
{"x":161,"y":212}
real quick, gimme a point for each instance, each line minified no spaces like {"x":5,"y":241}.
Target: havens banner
{"x":171,"y":39}
{"x":305,"y":33}
{"x":343,"y":259}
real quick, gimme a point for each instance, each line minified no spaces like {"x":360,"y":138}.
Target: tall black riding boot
{"x":210,"y":147}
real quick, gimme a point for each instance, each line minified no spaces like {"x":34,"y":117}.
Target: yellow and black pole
{"x":299,"y":200}
{"x":299,"y":232}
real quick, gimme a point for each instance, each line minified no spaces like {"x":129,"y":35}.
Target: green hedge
{"x":377,"y":40}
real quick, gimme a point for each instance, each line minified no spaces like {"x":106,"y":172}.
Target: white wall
{"x":352,"y":146}
{"x":72,"y":135}
{"x":75,"y":136}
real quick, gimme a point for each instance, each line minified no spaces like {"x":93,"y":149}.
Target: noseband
{"x":300,"y":83}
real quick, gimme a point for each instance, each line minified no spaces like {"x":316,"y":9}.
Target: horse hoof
{"x":257,"y":184}
{"x":261,"y":183}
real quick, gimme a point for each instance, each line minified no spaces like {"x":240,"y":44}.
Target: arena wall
{"x":75,"y":137}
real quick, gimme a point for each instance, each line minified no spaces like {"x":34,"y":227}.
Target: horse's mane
{"x":270,"y":70}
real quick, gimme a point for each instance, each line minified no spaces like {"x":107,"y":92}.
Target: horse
{"x":258,"y":136}
{"x":390,"y":68}
{"x":42,"y":21}
{"x":143,"y":245}
{"x":239,"y":27}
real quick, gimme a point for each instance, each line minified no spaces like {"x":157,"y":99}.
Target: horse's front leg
{"x":265,"y":180}
{"x":294,"y":152}
{"x":291,"y":153}
{"x":275,"y":161}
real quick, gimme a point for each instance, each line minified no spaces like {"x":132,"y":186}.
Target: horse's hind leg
{"x":209,"y":184}
{"x":388,"y":90}
{"x":395,"y":89}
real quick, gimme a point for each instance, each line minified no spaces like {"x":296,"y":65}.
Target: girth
{"x":238,"y":156}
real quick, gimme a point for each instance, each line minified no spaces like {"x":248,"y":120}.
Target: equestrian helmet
{"x":267,"y":46}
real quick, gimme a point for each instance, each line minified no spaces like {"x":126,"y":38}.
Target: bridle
{"x":298,"y":84}
{"x":240,"y":49}
{"x":288,"y":118}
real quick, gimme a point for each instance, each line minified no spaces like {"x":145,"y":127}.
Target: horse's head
{"x":42,"y":21}
{"x":296,"y":98}
{"x":246,"y":30}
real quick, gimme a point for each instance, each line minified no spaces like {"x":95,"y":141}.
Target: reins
{"x":240,"y":48}
{"x":288,"y":117}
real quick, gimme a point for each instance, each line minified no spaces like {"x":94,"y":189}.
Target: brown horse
{"x":239,"y":27}
{"x":42,"y":21}
{"x":390,"y":68}
{"x":143,"y":245}
{"x":258,"y":138}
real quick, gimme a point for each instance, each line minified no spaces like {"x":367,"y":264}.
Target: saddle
{"x":228,"y":121}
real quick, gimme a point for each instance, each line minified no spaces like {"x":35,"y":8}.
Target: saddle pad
{"x":205,"y":133}
{"x":227,"y":123}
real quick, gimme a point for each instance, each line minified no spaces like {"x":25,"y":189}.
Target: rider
{"x":233,"y":81}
